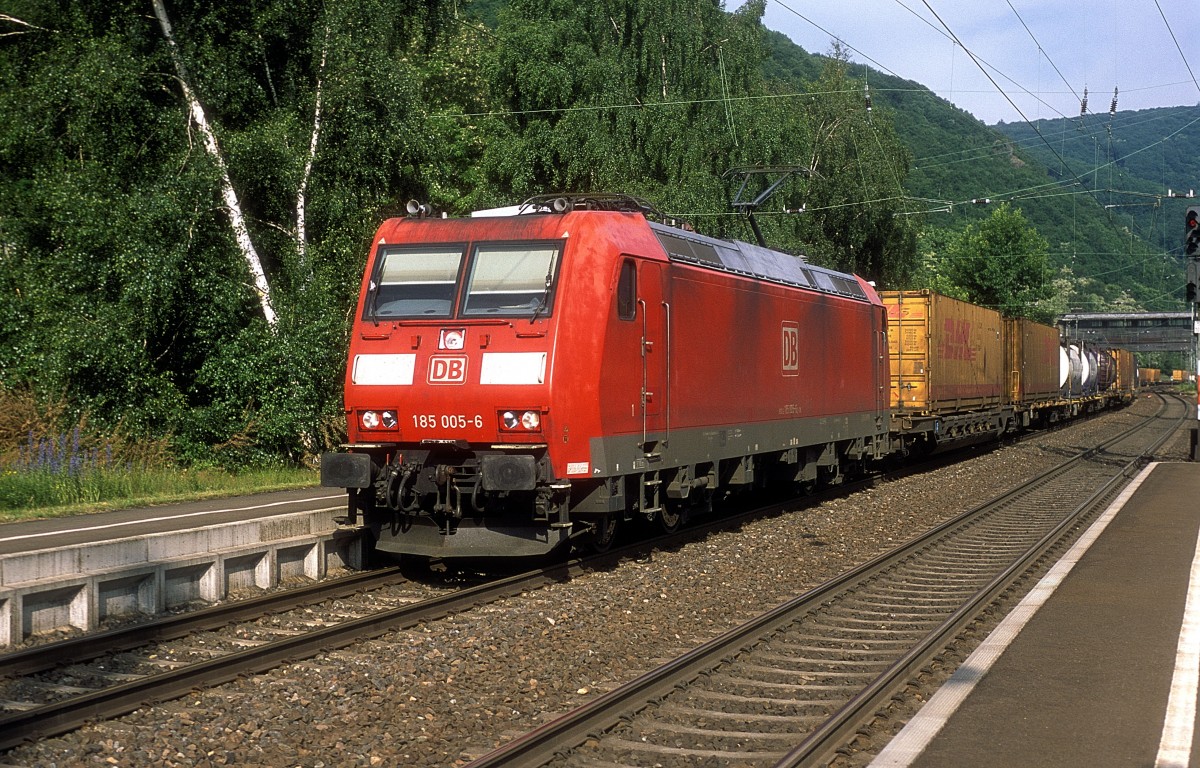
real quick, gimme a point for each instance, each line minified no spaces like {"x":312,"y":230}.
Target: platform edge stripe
{"x":913,"y":739}
{"x":163,"y":518}
{"x":1175,"y":747}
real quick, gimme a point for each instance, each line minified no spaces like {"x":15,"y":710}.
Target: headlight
{"x":528,"y":421}
{"x":379,"y":420}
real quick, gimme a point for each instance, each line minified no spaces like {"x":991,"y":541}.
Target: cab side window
{"x":627,"y":291}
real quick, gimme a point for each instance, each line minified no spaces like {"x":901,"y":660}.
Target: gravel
{"x":444,"y":693}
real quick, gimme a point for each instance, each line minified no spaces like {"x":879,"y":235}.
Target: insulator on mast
{"x":1112,"y":110}
{"x":1083,"y":103}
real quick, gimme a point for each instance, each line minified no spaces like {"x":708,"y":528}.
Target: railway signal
{"x":1191,"y":249}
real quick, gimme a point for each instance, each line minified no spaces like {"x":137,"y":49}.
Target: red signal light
{"x":1191,"y":234}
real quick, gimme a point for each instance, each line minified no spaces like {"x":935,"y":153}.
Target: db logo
{"x":447,"y":370}
{"x":791,"y":349}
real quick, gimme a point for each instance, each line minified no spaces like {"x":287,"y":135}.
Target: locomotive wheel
{"x":603,"y":533}
{"x":670,"y":518}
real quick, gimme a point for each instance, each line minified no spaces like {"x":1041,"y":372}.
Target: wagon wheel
{"x":671,"y":517}
{"x":603,"y":533}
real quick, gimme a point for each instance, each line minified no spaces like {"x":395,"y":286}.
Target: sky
{"x":1040,"y":54}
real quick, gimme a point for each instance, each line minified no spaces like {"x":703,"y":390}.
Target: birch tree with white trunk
{"x":314,"y":140}
{"x":237,"y":219}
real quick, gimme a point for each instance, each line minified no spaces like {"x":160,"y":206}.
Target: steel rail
{"x":66,"y":715}
{"x":551,"y":740}
{"x":63,"y":716}
{"x":46,"y":656}
{"x":824,"y":741}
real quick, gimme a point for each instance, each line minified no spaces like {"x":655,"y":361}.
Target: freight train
{"x":519,"y":383}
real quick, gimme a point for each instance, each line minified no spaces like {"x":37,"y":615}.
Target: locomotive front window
{"x":512,"y":280}
{"x":415,"y":282}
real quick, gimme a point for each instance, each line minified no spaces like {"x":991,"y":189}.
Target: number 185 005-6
{"x":446,"y":421}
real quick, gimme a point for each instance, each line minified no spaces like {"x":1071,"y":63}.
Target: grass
{"x":48,"y":472}
{"x":26,"y":495}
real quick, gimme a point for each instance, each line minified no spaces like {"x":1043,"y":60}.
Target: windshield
{"x":513,"y":280}
{"x":415,"y":282}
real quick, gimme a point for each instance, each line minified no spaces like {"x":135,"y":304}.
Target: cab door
{"x":654,"y":313}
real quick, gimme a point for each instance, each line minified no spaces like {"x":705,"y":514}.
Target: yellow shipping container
{"x":1127,"y":369}
{"x":946,"y":355}
{"x":1031,"y":364}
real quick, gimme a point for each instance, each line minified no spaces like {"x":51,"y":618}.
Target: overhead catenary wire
{"x":728,"y":100}
{"x":1175,"y":40}
{"x":1041,"y":50}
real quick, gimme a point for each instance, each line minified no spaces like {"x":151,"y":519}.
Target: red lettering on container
{"x":956,"y":341}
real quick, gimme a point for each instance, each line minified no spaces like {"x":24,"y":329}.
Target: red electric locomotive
{"x":517,"y":382}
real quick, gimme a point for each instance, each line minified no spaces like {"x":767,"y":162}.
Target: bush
{"x":44,"y":464}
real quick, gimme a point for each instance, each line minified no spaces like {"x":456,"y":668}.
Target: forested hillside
{"x":1103,"y":256}
{"x":188,"y":190}
{"x":1130,"y":160}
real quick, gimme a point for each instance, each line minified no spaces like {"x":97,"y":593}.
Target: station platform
{"x":83,"y":571}
{"x":78,"y":530}
{"x":1099,"y":664}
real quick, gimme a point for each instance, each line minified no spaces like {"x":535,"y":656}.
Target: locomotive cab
{"x":474,"y":340}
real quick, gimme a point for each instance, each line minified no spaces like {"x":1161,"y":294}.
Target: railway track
{"x":55,"y":687}
{"x":793,"y":686}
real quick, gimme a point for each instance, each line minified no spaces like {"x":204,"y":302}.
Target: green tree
{"x":663,"y":99}
{"x":124,"y":286}
{"x":1002,"y":263}
{"x":934,"y":245}
{"x":856,"y":168}
{"x":626,"y":96}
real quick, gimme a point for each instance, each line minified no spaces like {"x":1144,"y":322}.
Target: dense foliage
{"x":123,"y":287}
{"x":127,"y":288}
{"x":136,"y":135}
{"x":1002,"y":262}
